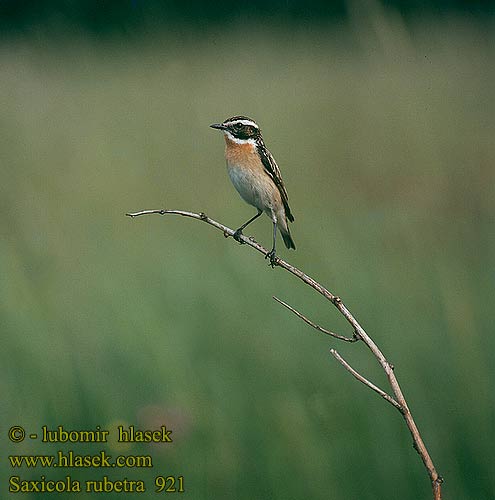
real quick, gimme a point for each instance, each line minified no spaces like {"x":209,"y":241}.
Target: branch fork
{"x":398,"y":400}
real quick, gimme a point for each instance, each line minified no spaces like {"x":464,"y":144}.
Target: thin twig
{"x":314,"y":325}
{"x":364,"y":380}
{"x":435,"y":479}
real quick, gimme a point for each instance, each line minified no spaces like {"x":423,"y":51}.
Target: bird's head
{"x":240,"y":129}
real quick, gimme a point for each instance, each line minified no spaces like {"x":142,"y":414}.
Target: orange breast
{"x":244,"y":155}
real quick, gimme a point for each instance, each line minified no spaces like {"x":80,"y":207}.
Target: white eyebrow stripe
{"x":244,"y":122}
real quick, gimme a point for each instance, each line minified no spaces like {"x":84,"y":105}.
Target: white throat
{"x":238,"y":141}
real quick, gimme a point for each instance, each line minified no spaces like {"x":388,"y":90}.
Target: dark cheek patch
{"x":246,"y":132}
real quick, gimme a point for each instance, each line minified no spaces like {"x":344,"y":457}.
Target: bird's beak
{"x":219,"y":126}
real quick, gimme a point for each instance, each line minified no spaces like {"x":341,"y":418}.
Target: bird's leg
{"x":271,"y":254}
{"x":238,"y":232}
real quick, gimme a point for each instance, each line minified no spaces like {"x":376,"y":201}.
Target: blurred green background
{"x":382,"y":121}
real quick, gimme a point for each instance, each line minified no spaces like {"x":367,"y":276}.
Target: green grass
{"x":384,"y":135}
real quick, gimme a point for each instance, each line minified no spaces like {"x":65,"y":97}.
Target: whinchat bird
{"x":256,"y":176}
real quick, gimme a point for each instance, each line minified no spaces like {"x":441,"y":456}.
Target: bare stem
{"x":399,"y":402}
{"x":364,"y":380}
{"x":314,"y":325}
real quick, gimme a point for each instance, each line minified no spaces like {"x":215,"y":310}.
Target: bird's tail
{"x":289,"y":242}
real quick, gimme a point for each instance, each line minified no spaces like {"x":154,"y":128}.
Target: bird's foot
{"x":237,"y":236}
{"x":273,"y":257}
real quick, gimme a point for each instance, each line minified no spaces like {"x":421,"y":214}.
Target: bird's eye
{"x":238,"y":126}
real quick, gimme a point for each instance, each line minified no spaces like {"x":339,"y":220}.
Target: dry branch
{"x":364,"y":380}
{"x":314,"y":325}
{"x":359,"y":333}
